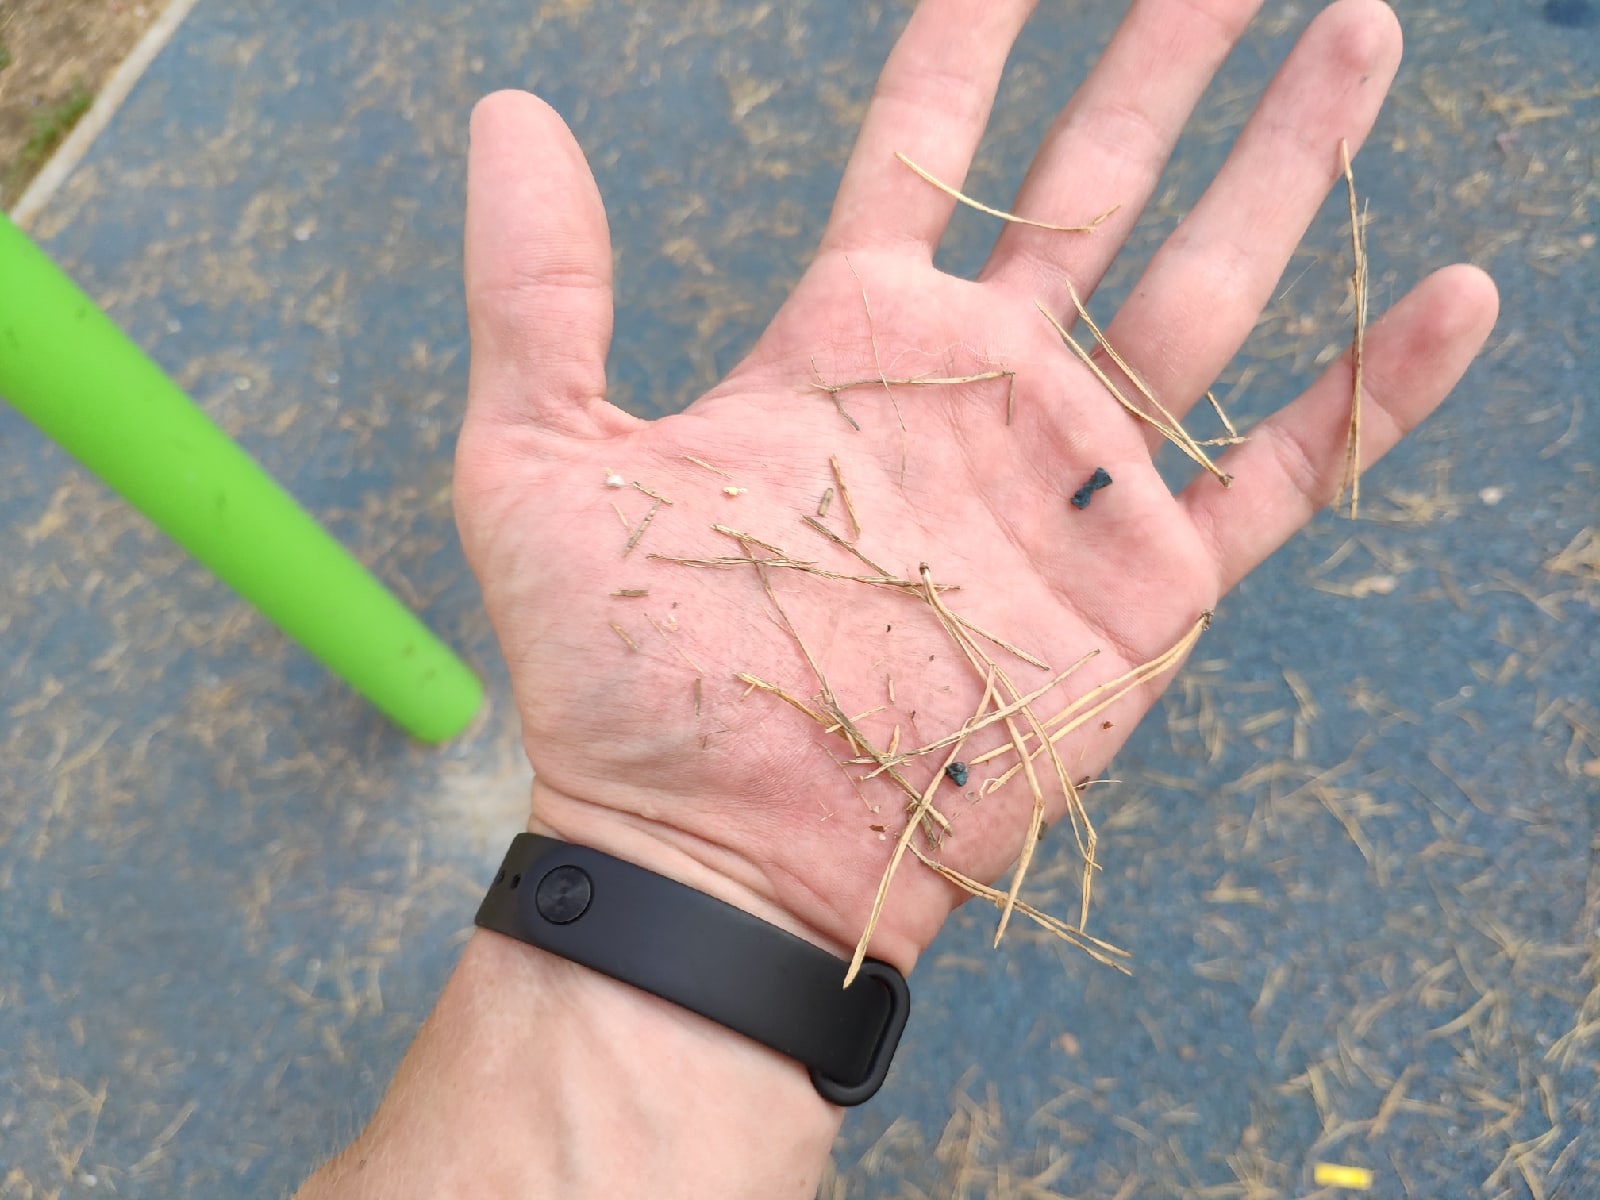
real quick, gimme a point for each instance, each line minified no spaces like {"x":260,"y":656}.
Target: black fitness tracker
{"x":709,"y":957}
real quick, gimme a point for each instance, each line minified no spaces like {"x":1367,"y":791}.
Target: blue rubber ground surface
{"x":1354,"y":856}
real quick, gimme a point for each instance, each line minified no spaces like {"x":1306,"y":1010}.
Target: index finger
{"x":931,"y":104}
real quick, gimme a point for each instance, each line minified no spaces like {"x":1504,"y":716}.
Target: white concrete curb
{"x":71,"y":151}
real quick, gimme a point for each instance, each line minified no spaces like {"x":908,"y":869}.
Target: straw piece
{"x":638,"y":532}
{"x":1096,"y":949}
{"x":1358,"y":279}
{"x":903,"y":842}
{"x":1170,"y":427}
{"x":844,"y":495}
{"x":963,"y":198}
{"x":700,"y":462}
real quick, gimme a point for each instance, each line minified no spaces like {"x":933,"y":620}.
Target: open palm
{"x":625,"y":663}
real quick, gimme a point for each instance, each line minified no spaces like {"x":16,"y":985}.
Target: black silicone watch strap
{"x":707,"y":956}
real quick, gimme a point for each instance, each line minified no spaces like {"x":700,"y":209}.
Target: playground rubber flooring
{"x":1352,"y":853}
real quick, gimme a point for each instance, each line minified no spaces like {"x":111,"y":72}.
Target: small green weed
{"x":54,"y":123}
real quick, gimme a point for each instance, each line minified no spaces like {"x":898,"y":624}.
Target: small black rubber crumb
{"x":1100,"y":479}
{"x":1572,"y":14}
{"x":958,"y":773}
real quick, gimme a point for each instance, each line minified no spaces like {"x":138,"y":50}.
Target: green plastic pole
{"x":67,"y":368}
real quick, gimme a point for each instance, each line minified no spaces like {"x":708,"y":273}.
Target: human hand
{"x":656,"y":754}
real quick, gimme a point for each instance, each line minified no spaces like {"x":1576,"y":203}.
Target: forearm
{"x":536,"y":1077}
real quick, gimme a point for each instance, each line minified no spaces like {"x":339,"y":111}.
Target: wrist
{"x":537,"y":1077}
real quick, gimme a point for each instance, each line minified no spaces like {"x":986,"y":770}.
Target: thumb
{"x":538,"y":279}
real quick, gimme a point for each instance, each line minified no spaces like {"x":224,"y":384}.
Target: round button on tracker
{"x":563,"y":895}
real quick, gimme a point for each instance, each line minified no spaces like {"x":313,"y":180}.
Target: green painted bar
{"x":67,"y":368}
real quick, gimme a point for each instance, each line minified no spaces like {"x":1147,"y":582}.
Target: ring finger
{"x":1111,"y":141}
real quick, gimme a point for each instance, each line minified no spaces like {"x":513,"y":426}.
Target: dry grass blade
{"x":818,"y":527}
{"x":833,"y":394}
{"x":1092,"y":703}
{"x":772,"y":689}
{"x":1580,"y":558}
{"x":1129,"y":406}
{"x":1101,"y":952}
{"x":727,"y":562}
{"x":834,"y":389}
{"x":734,"y":560}
{"x":654,"y":495}
{"x":844,"y":495}
{"x":1358,"y":280}
{"x":995,"y":639}
{"x":830,"y":704}
{"x":983,"y":721}
{"x":934,"y":822}
{"x":788,"y":625}
{"x":1233,"y":436}
{"x":1169,"y":426}
{"x":633,"y":539}
{"x":666,"y":636}
{"x":919,"y":381}
{"x":746,"y":540}
{"x":963,"y":198}
{"x":981,"y":662}
{"x":903,"y":842}
{"x":877,"y":361}
{"x":700,"y":462}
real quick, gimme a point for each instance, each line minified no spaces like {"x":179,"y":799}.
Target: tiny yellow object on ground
{"x":1333,"y":1175}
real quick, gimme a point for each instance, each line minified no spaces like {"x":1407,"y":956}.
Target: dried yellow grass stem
{"x":809,"y":568}
{"x":1358,"y":280}
{"x":963,"y":198}
{"x":834,"y":389}
{"x":1162,"y":420}
{"x":666,"y":636}
{"x":1086,"y":836}
{"x":848,"y":547}
{"x":877,"y":361}
{"x":830,"y":705}
{"x":918,"y":381}
{"x":888,"y":577}
{"x":700,"y":462}
{"x":913,"y":821}
{"x":983,"y":721}
{"x":654,"y":495}
{"x":772,"y":689}
{"x":934,"y":823}
{"x":633,"y":539}
{"x":844,"y":495}
{"x":1096,"y":949}
{"x":1233,"y":436}
{"x":1092,"y":703}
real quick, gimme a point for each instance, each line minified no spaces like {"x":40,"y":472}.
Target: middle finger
{"x":1108,"y":146}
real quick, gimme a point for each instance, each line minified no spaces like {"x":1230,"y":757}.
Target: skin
{"x":741,"y":799}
